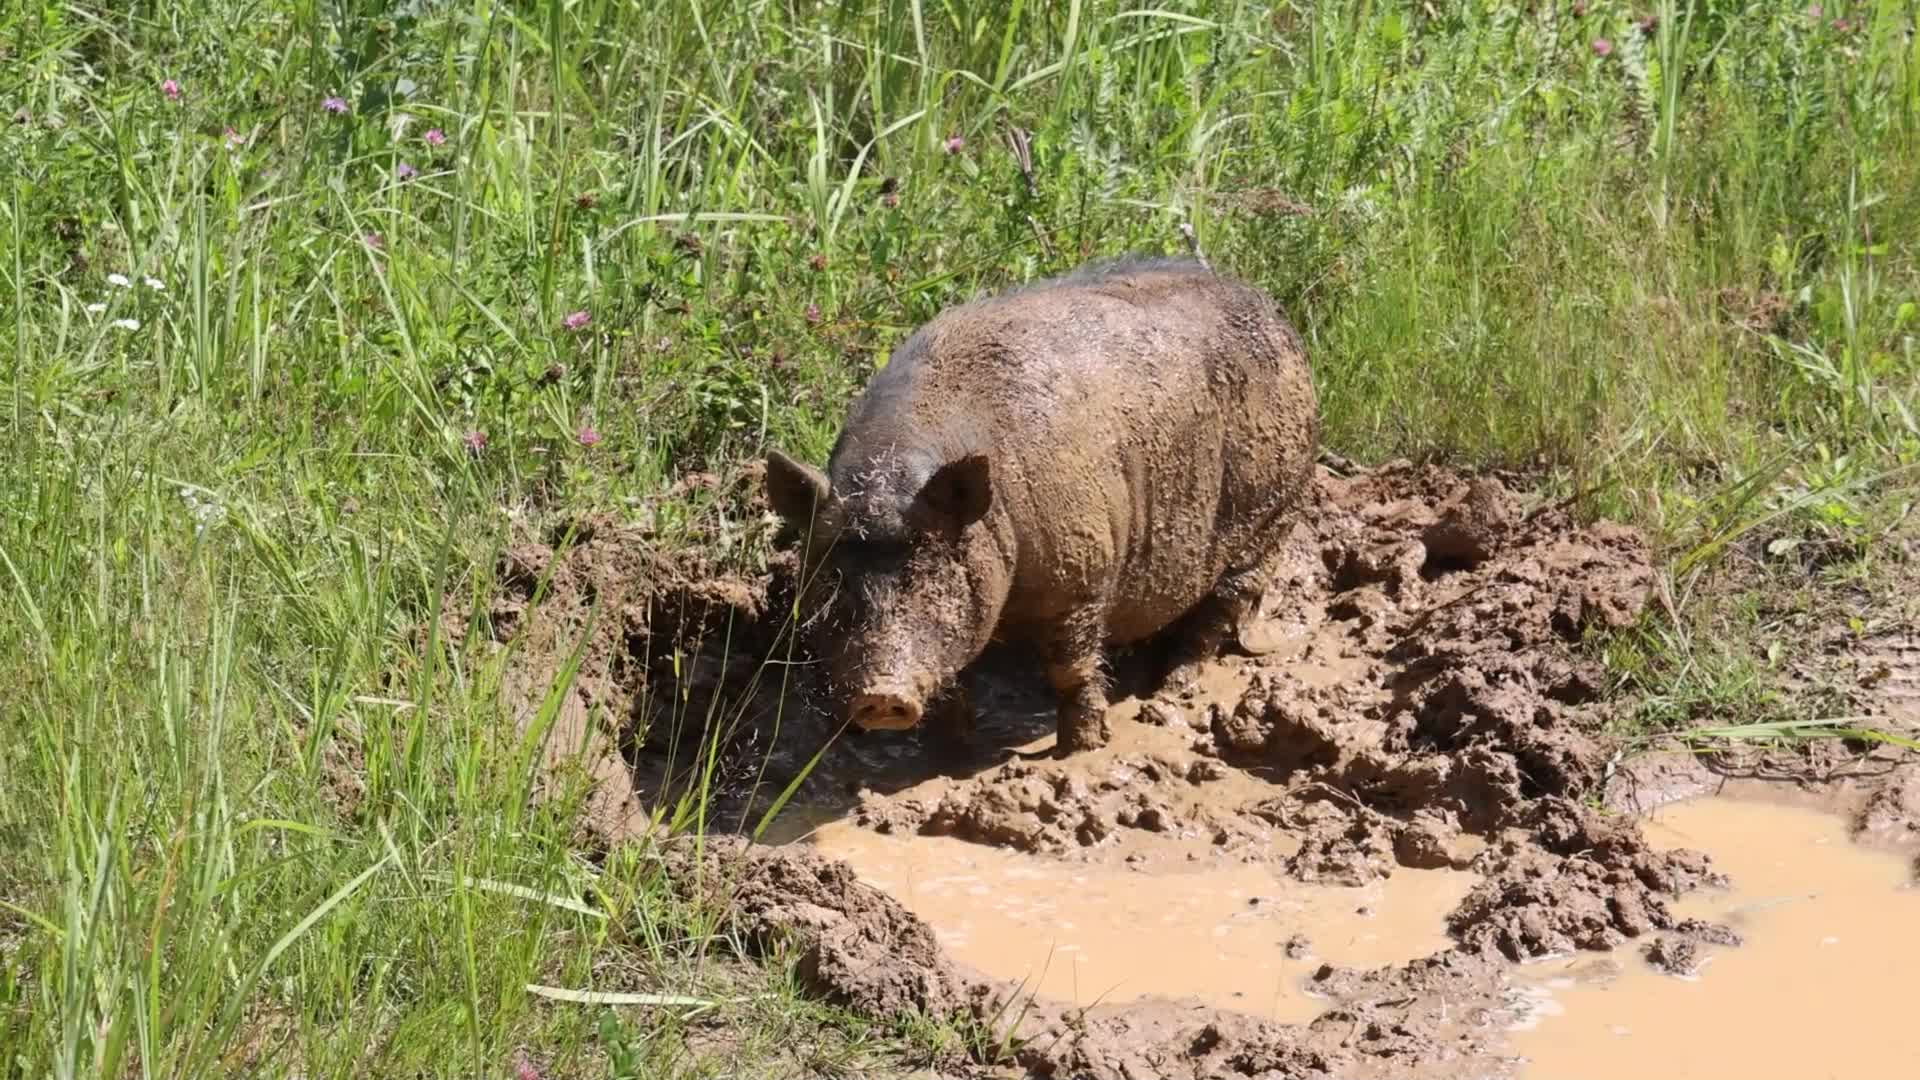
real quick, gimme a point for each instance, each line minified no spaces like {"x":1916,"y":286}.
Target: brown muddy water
{"x":1828,"y":948}
{"x":1822,"y":986}
{"x":1232,"y":935}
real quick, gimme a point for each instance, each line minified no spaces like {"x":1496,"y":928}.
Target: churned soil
{"x":1423,"y":699}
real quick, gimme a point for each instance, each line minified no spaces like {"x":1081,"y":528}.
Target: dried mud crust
{"x":1422,"y":700}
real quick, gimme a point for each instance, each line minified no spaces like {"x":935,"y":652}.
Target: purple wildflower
{"x":335,"y":105}
{"x":587,"y":435}
{"x":813,"y":313}
{"x":475,"y":441}
{"x":1602,"y":47}
{"x":435,"y":137}
{"x":955,"y":144}
{"x":576,"y":320}
{"x":235,"y":140}
{"x":171,"y":89}
{"x":374,"y":240}
{"x":1814,"y":12}
{"x":404,"y":171}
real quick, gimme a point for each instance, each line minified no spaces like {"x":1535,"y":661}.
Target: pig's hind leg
{"x":1073,"y":655}
{"x":1227,"y":614}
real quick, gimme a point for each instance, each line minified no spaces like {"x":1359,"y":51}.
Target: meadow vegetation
{"x":310,"y":304}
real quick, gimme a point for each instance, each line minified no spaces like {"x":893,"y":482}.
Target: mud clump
{"x":1055,"y":809}
{"x":1675,"y":955}
{"x":1469,"y":527}
{"x":1891,"y":812}
{"x":854,"y":945}
{"x":1573,"y":880}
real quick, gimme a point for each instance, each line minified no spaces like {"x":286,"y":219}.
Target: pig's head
{"x":904,"y":580}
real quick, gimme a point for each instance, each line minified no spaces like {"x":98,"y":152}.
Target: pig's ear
{"x":796,"y":490}
{"x":958,"y":493}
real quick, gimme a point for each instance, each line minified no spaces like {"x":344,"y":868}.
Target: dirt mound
{"x":1573,"y":880}
{"x":611,"y":638}
{"x":1422,"y":700}
{"x":854,"y":944}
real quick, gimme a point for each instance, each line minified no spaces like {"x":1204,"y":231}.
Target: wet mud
{"x":1227,"y":934}
{"x":1425,"y":732}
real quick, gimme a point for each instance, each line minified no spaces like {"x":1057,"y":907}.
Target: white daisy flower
{"x":127,"y":324}
{"x":155,"y":284}
{"x":96,"y":309}
{"x":119,"y":281}
{"x":204,"y":514}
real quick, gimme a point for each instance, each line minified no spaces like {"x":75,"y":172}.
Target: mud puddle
{"x":1234,"y":936}
{"x":1828,"y":949}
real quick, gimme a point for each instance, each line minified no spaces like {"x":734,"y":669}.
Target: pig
{"x":1075,"y":464}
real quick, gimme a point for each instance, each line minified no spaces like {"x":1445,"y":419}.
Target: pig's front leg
{"x":1073,"y":667}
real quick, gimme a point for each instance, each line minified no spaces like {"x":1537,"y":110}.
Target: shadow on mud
{"x":752,"y":730}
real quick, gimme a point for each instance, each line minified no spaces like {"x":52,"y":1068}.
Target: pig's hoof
{"x":1085,"y":733}
{"x":1184,"y":675}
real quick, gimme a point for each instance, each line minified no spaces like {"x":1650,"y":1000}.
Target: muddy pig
{"x":1076,"y":463}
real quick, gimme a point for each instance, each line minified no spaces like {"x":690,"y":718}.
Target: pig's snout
{"x":885,"y":710}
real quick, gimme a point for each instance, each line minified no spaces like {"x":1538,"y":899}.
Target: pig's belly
{"x":1193,"y":538}
{"x":1155,"y":588}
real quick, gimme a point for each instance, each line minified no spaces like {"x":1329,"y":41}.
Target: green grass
{"x":1680,"y":279}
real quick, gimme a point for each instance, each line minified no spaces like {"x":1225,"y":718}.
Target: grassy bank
{"x":309,"y":304}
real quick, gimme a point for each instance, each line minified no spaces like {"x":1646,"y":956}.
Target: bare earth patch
{"x":1422,"y":702}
